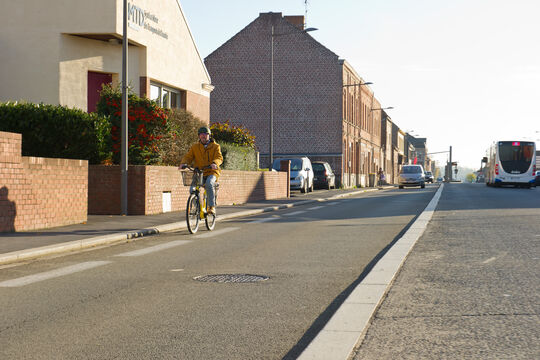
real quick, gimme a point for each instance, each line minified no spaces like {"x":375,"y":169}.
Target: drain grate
{"x":231,"y":278}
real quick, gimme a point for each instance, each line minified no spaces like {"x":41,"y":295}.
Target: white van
{"x":301,"y":172}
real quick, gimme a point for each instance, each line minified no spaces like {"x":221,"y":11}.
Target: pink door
{"x":95,"y":82}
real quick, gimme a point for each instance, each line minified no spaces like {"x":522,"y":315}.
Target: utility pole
{"x":450,"y":167}
{"x":124,"y":127}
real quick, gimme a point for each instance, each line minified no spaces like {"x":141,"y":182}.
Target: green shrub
{"x":227,"y":133}
{"x":146,"y":121}
{"x":237,"y":157}
{"x":56,"y":131}
{"x":176,"y":139}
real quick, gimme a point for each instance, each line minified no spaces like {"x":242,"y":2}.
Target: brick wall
{"x":307,"y":88}
{"x":146,"y":185}
{"x":38,"y":193}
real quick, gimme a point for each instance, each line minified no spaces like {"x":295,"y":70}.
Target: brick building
{"x":319,"y":107}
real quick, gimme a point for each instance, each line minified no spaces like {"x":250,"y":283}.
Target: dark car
{"x":324,"y":176}
{"x":429,"y":176}
{"x":537,"y":178}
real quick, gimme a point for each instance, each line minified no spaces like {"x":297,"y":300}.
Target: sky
{"x":461,"y":73}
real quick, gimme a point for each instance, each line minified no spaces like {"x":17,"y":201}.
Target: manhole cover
{"x":231,"y":278}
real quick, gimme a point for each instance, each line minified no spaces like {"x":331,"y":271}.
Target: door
{"x":95,"y":82}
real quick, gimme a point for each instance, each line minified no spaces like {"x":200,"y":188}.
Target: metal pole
{"x":450,"y":166}
{"x":271,"y":150}
{"x":124,"y":125}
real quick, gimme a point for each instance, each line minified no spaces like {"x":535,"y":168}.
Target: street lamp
{"x":124,"y":125}
{"x":271,"y":149}
{"x":359,"y":84}
{"x":386,"y":108}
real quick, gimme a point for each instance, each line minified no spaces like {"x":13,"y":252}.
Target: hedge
{"x":56,"y":131}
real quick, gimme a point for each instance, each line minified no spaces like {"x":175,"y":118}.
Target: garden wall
{"x":37,"y":193}
{"x":157,"y":189}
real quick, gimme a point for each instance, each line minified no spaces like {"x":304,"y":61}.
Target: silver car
{"x":412,"y":175}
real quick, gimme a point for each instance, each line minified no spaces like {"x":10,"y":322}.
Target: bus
{"x":511,"y":163}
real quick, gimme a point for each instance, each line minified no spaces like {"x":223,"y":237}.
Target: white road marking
{"x":295,"y":213}
{"x":155,"y":248}
{"x":216,"y":233}
{"x":340,"y":334}
{"x":316,"y":207}
{"x":30,"y":279}
{"x":488,"y":260}
{"x":333,"y":203}
{"x":263,"y":220}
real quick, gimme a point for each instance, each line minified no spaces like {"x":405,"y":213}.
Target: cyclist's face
{"x":204,"y":138}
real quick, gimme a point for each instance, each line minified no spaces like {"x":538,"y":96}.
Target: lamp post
{"x":271,"y":148}
{"x":124,"y":125}
{"x":386,"y":108}
{"x":358,"y":84}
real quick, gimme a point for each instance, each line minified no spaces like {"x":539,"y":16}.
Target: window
{"x":165,"y":96}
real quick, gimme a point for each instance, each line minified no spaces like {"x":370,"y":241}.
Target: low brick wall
{"x":147,"y":184}
{"x":37,"y":193}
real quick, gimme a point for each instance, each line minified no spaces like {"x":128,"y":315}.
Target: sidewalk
{"x":108,"y":229}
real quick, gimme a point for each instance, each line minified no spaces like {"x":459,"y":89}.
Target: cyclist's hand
{"x":214,"y":166}
{"x":182,"y":166}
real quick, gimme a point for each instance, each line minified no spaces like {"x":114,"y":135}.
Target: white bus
{"x":511,"y":163}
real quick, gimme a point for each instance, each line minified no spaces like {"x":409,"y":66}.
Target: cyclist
{"x":206,"y":154}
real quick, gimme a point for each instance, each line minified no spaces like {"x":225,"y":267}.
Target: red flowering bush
{"x":146,"y":120}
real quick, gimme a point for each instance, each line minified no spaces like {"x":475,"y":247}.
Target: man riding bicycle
{"x":206,"y":154}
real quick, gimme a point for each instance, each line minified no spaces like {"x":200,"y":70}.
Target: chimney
{"x":296,"y":20}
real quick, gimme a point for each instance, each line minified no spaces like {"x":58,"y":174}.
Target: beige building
{"x":61,"y":52}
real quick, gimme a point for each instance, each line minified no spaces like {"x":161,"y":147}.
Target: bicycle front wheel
{"x":192,"y":213}
{"x":210,"y":221}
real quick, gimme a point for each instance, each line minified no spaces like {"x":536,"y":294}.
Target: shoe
{"x":212,"y":210}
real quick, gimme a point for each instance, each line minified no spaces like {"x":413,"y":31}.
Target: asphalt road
{"x":141,"y":300}
{"x":470,"y":289}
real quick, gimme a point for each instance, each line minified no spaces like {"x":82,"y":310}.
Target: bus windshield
{"x":516,"y":156}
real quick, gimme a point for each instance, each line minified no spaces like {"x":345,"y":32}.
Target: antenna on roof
{"x":305,"y":12}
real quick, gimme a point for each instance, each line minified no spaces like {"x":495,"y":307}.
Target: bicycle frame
{"x":194,"y":215}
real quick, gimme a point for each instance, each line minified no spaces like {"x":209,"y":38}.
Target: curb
{"x":117,"y":238}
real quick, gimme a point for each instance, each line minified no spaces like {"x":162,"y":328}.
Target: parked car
{"x":301,"y":172}
{"x":537,"y":178}
{"x":412,"y":175}
{"x":429,"y":176}
{"x":324,"y":176}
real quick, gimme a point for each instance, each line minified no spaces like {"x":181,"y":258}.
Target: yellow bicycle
{"x":196,"y":208}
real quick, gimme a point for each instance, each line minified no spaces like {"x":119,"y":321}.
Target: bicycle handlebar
{"x":195,"y":168}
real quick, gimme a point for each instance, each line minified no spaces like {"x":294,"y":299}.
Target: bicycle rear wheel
{"x":192,"y":213}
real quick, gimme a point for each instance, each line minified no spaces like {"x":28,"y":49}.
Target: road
{"x":140,"y":300}
{"x":470,"y":289}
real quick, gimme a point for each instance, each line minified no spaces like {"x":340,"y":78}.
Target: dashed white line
{"x":295,"y":213}
{"x":333,"y":203}
{"x":263,"y":220}
{"x":316,"y":207}
{"x":216,"y":232}
{"x":488,"y":260}
{"x":30,"y":279}
{"x":155,"y":248}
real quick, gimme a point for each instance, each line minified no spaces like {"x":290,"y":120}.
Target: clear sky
{"x":461,"y":73}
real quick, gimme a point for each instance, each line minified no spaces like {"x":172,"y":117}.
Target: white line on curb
{"x":337,"y":339}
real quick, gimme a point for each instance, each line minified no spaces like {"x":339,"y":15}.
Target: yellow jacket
{"x":199,"y":157}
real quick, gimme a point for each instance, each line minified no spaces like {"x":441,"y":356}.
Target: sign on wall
{"x":139,"y":18}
